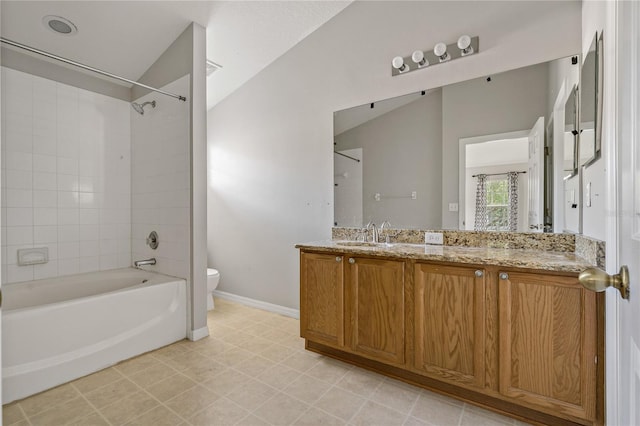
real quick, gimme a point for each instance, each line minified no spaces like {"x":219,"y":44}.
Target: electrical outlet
{"x":434,"y":238}
{"x":453,"y":207}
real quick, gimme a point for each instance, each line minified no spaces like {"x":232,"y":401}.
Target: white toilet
{"x":213,"y":278}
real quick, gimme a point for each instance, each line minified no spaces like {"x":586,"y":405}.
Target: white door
{"x":625,"y":406}
{"x":535,"y":176}
{"x":1,"y":293}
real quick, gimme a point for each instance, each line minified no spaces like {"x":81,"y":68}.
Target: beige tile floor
{"x":252,"y":370}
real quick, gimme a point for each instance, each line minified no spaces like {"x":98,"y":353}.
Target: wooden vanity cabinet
{"x":322,"y":298}
{"x":354,"y":304}
{"x":374,"y":297}
{"x":519,"y":342}
{"x":548,"y":343}
{"x":449,"y":324}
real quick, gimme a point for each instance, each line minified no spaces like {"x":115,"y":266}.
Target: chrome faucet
{"x":374,"y":231}
{"x":385,"y":224}
{"x":139,"y":263}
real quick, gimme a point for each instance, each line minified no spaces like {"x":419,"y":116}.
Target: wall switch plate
{"x":434,"y":238}
{"x":453,"y":207}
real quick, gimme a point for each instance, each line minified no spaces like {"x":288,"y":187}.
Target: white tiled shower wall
{"x":66,"y":177}
{"x":161,"y":180}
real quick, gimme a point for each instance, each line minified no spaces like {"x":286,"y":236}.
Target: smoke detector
{"x":212,"y":67}
{"x":59,"y":25}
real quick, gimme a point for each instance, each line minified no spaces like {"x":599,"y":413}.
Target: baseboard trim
{"x":266,"y":306}
{"x":198,"y":334}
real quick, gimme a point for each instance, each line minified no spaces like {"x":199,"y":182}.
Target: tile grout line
{"x":186,"y":355}
{"x":302,"y":415}
{"x":389,"y":405}
{"x":329,"y":413}
{"x":413,"y":406}
{"x":354,"y":415}
{"x":91,"y":404}
{"x":156,"y":399}
{"x":241,"y":421}
{"x":24,"y":413}
{"x":406,"y":415}
{"x":140,"y":388}
{"x":464,"y":406}
{"x":48,"y":408}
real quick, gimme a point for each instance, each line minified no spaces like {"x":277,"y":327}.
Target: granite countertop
{"x":515,"y":258}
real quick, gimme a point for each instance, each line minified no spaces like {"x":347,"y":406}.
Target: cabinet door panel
{"x":548,"y":343}
{"x":449,"y":324}
{"x":376,"y":303}
{"x":322,"y":298}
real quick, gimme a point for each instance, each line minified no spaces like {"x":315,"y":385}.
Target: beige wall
{"x":402,"y":152}
{"x":187,"y":56}
{"x":510,"y":102}
{"x":270,"y":143}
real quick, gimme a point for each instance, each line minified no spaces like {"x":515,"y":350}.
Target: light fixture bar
{"x":431,"y":59}
{"x":86,"y":67}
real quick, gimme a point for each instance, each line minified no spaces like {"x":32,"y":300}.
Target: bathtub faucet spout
{"x":139,"y":263}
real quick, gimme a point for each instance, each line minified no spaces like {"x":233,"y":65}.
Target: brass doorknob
{"x":597,"y":280}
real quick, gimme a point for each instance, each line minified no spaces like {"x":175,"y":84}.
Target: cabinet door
{"x":548,"y":343}
{"x":449,"y":325}
{"x":322,"y":298}
{"x":375,"y":305}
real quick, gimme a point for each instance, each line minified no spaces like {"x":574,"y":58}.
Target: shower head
{"x":139,"y":108}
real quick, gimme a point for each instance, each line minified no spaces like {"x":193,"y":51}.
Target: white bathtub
{"x":59,"y":329}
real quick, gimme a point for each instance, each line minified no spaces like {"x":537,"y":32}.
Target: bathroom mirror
{"x":399,"y":159}
{"x":571,"y":180}
{"x":591,"y":104}
{"x":570,"y":163}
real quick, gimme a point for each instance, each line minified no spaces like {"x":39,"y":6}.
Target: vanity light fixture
{"x":419,"y":59}
{"x":440,"y":50}
{"x":398,"y":63}
{"x":440,"y":54}
{"x":464,"y":44}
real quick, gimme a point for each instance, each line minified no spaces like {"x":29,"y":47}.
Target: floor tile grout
{"x":238,"y":346}
{"x":91,"y":404}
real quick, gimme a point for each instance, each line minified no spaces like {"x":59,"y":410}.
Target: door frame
{"x":610,"y":154}
{"x":462,"y":163}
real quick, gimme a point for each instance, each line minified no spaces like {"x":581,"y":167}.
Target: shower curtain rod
{"x":496,"y":174}
{"x":345,"y":155}
{"x":86,"y":67}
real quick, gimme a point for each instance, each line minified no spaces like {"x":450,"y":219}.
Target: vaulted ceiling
{"x":126,"y":37}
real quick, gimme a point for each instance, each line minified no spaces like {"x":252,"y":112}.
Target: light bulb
{"x":464,"y":44}
{"x":440,"y":50}
{"x":418,"y":58}
{"x":398,"y":63}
